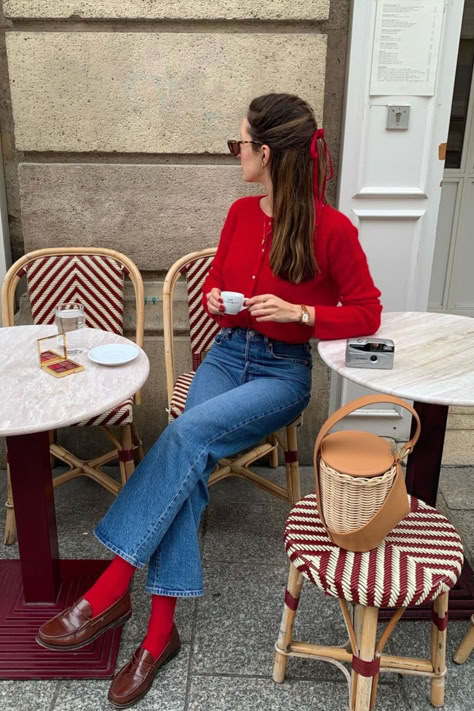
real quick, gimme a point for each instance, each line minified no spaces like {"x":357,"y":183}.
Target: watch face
{"x":305,"y":317}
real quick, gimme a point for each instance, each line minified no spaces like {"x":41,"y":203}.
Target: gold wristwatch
{"x":304,"y":318}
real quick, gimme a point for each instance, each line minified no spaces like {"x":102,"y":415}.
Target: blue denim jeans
{"x":247,"y":387}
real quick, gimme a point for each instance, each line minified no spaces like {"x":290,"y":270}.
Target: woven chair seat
{"x":180,"y":394}
{"x":120,"y":415}
{"x":419,"y":560}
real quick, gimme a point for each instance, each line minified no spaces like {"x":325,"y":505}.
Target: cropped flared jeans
{"x":247,"y":387}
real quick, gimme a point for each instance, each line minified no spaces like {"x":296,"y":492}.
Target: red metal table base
{"x":21,"y":657}
{"x":39,"y":585}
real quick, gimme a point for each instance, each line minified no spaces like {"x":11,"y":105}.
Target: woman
{"x":295,"y":258}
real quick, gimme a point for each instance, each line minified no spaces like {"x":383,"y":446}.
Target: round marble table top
{"x":434,"y":358}
{"x":35,"y":401}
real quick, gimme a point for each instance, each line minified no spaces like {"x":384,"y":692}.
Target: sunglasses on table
{"x":234,"y":146}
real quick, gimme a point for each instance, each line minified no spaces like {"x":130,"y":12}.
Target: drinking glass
{"x":70,"y":318}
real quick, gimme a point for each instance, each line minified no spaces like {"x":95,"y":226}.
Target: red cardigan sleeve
{"x":360,"y":309}
{"x":214,"y":277}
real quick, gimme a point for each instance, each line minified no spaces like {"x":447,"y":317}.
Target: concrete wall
{"x":114,"y":117}
{"x":171,"y":9}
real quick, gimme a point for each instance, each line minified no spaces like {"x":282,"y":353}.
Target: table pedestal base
{"x":21,"y":657}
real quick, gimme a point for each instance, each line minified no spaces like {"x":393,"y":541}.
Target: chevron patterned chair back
{"x":95,"y":278}
{"x":418,"y":562}
{"x":193,"y":269}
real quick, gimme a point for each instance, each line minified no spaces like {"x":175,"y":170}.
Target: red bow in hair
{"x":320,"y":199}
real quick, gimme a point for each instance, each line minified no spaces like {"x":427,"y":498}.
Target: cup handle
{"x":243,"y":308}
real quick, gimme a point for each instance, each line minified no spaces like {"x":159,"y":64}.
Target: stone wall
{"x":115,"y":115}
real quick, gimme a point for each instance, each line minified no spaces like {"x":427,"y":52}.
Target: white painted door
{"x":390,"y":179}
{"x":452,"y":283}
{"x":5,"y":255}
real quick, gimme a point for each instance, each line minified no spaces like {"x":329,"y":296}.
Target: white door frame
{"x":5,"y":251}
{"x":454,"y":225}
{"x":410,"y":209}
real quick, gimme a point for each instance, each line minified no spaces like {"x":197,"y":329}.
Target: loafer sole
{"x":60,"y":648}
{"x":144,"y":693}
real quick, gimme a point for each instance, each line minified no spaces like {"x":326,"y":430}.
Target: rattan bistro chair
{"x":95,"y":277}
{"x":194,"y":267}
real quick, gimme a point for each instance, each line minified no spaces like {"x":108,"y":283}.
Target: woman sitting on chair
{"x":295,"y":258}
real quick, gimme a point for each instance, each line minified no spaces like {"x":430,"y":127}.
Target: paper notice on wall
{"x":406,"y":47}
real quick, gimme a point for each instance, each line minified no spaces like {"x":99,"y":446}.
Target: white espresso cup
{"x":233,"y":302}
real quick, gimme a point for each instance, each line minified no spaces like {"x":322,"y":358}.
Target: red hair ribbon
{"x":320,"y":199}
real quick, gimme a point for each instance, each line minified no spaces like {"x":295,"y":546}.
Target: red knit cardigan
{"x":346,"y":301}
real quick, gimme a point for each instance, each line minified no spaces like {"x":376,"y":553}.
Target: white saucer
{"x":113,"y":354}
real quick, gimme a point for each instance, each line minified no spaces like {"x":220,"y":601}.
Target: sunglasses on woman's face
{"x":234,"y":146}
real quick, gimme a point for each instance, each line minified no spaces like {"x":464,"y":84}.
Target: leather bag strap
{"x":363,"y":402}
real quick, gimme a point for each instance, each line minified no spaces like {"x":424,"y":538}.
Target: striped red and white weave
{"x":419,"y":560}
{"x":180,"y":395}
{"x":120,"y":415}
{"x":94,"y":280}
{"x":202,"y":327}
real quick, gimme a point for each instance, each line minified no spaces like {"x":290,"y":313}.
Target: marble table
{"x":434,"y":367}
{"x":39,"y":585}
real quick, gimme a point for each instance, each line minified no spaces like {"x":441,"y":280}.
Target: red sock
{"x":160,"y":624}
{"x":112,"y":584}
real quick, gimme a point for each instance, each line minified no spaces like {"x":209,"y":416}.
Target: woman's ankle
{"x":160,"y":624}
{"x":111,"y":586}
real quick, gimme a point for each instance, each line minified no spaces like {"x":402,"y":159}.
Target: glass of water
{"x":70,"y":319}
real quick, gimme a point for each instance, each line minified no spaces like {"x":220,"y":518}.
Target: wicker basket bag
{"x":360,"y":486}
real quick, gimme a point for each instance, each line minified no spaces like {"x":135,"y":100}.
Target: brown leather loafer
{"x":135,"y":678}
{"x":75,"y":627}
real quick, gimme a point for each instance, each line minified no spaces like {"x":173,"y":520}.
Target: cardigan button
{"x":253,"y":277}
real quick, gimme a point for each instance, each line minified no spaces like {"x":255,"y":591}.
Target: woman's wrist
{"x":298,"y":310}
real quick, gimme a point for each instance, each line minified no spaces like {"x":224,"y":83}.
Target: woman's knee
{"x":188,"y":429}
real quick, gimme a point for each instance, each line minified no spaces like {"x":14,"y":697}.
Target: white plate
{"x":113,"y":354}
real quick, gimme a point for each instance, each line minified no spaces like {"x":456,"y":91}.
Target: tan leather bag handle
{"x":363,"y":402}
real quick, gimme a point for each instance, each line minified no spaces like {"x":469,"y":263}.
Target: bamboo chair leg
{"x":9,"y":536}
{"x":380,"y":647}
{"x":295,"y":583}
{"x":438,"y":651}
{"x":273,"y":456}
{"x":126,"y":453}
{"x":366,"y":644}
{"x":137,"y":442}
{"x":357,"y":617}
{"x":292,"y":465}
{"x":466,"y":646}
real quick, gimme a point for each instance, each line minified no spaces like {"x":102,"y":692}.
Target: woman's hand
{"x":268,"y":307}
{"x":215,"y":304}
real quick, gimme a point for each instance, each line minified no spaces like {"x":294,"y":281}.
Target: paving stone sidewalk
{"x":229,"y":635}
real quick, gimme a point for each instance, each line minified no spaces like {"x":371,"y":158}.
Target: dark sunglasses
{"x":234,"y":146}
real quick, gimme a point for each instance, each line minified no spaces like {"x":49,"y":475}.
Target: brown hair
{"x":286,"y":124}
